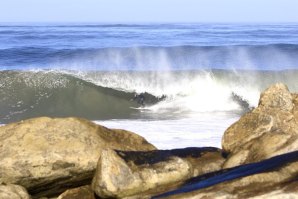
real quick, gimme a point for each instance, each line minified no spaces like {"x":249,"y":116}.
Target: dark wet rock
{"x":147,"y":99}
{"x":47,"y":155}
{"x":11,"y":191}
{"x":241,"y":102}
{"x":268,"y":130}
{"x":127,"y":173}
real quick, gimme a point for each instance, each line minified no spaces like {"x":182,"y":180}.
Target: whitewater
{"x":195,"y":79}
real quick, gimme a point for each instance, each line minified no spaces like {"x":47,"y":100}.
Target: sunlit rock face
{"x":48,"y":155}
{"x":268,"y":130}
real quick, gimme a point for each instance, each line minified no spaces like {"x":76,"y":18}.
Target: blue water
{"x":203,"y":72}
{"x":148,"y":46}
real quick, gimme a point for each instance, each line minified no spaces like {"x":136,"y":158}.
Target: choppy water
{"x":196,"y":79}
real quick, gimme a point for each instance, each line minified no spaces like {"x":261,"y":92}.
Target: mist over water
{"x":196,"y":79}
{"x":158,"y":58}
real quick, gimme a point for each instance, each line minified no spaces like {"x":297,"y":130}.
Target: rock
{"x":280,"y":192}
{"x":277,"y":96}
{"x":47,"y":155}
{"x":12,"y":191}
{"x":84,"y":192}
{"x":115,"y":178}
{"x":252,"y":192}
{"x":268,"y":130}
{"x":272,"y":178}
{"x":47,"y":198}
{"x":121,"y":173}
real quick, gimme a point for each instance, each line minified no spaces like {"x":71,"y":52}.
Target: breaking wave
{"x":115,"y":95}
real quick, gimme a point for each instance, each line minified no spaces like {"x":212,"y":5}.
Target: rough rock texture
{"x":12,"y":191}
{"x":279,"y":183}
{"x":121,"y":174}
{"x":268,"y":130}
{"x":49,"y":155}
{"x":289,"y":191}
{"x":84,"y":192}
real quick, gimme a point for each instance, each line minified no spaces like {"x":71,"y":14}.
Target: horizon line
{"x":153,"y":22}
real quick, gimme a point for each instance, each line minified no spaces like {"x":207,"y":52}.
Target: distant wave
{"x":259,"y":57}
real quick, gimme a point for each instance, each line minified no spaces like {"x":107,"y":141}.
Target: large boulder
{"x":121,"y":174}
{"x":268,"y":130}
{"x":12,"y":191}
{"x":47,"y":155}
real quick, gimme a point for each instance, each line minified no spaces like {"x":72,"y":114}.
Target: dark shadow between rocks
{"x":153,"y":157}
{"x":58,"y":186}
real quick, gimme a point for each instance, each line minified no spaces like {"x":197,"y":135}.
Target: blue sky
{"x":148,"y":11}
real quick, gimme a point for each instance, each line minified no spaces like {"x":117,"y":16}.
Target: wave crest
{"x":111,"y":95}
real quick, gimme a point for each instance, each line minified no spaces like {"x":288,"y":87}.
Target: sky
{"x":151,"y":11}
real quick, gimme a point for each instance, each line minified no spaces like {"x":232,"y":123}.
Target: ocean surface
{"x":178,"y":85}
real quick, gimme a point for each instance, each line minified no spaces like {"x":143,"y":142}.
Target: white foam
{"x":206,"y":130}
{"x":186,"y":92}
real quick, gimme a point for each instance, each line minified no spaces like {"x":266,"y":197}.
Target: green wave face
{"x":32,"y":94}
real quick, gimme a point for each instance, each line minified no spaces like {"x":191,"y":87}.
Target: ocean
{"x":177,"y":85}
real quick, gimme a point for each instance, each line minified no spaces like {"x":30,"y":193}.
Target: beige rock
{"x":205,"y":162}
{"x":122,"y":174}
{"x":277,"y":96}
{"x":12,"y":191}
{"x":115,"y":178}
{"x":279,"y":183}
{"x":84,"y":192}
{"x":288,"y":191}
{"x":48,"y":155}
{"x":269,"y":130}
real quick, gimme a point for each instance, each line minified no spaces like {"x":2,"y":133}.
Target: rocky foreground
{"x":72,"y":158}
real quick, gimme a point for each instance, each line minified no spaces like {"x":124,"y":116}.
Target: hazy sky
{"x":148,"y":11}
